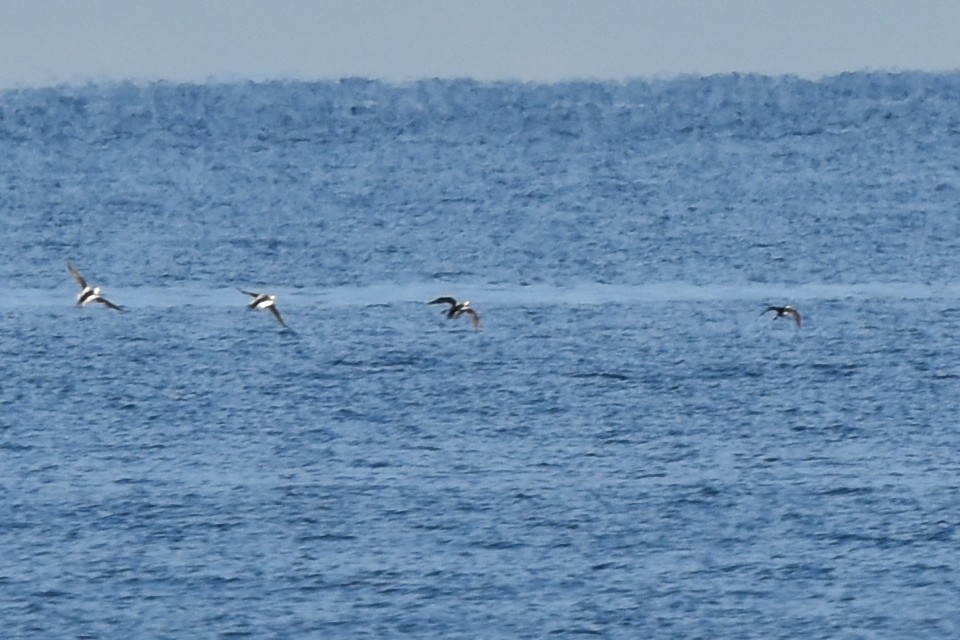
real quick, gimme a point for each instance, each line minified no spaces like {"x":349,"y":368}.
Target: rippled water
{"x":625,"y":450}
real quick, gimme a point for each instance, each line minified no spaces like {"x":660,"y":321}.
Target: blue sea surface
{"x":626,"y":449}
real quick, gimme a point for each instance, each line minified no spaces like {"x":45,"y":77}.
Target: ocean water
{"x":627,"y":449}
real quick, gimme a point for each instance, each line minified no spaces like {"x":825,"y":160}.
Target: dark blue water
{"x":626,"y":450}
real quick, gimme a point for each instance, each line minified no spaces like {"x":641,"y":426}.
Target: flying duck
{"x":457,"y":309}
{"x":784,"y":312}
{"x":263,"y":301}
{"x":89,"y":294}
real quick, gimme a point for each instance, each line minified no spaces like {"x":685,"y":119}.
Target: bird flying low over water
{"x":457,"y":309}
{"x":89,"y":294}
{"x":263,"y":301}
{"x":784,"y":312}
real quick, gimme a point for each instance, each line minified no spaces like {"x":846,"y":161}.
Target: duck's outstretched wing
{"x":108,"y":304}
{"x":276,"y":314}
{"x":249,"y":293}
{"x":474,"y":317}
{"x":76,"y":275}
{"x":444,"y":300}
{"x":793,"y":313}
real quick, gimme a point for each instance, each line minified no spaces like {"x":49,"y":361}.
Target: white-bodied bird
{"x":457,"y":309}
{"x":263,"y":301}
{"x":784,"y":312}
{"x":89,"y":294}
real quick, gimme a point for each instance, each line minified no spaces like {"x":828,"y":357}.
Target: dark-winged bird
{"x":263,"y":301}
{"x":89,"y":294}
{"x":457,"y":309}
{"x":784,"y":312}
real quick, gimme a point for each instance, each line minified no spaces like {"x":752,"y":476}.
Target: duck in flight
{"x":89,"y":294}
{"x":263,"y":301}
{"x":457,"y":309}
{"x":784,"y":312}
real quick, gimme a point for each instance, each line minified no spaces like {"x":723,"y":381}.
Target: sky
{"x":50,"y":42}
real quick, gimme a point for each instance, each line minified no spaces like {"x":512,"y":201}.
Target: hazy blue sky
{"x":54,"y":41}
